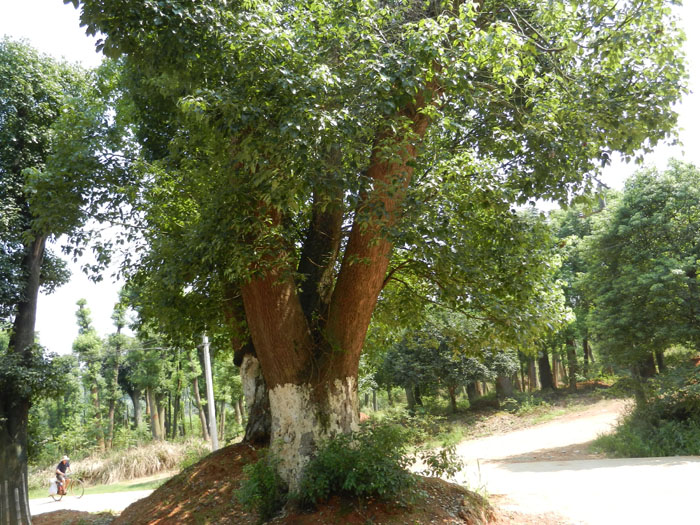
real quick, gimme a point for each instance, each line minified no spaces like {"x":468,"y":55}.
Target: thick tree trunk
{"x":309,"y":350}
{"x":389,"y":396}
{"x":374,"y":400}
{"x":556,"y":365}
{"x":14,"y":403}
{"x":161,"y":414}
{"x":572,"y":362}
{"x":200,"y":409}
{"x":546,"y":378}
{"x":586,"y":354}
{"x":504,"y":387}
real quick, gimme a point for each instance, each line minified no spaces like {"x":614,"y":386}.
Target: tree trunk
{"x":198,"y":402}
{"x":239,"y":415}
{"x":647,"y":367}
{"x":389,"y":396}
{"x":417,"y":395}
{"x":309,"y":351}
{"x":156,"y":428}
{"x":14,"y":403}
{"x":95,"y":395}
{"x":135,"y":396}
{"x":532,"y":374}
{"x":374,"y":400}
{"x":573,"y":365}
{"x":160,"y":405}
{"x":546,"y":378}
{"x":660,"y":360}
{"x":410,"y":399}
{"x":472,"y":392}
{"x":259,"y":427}
{"x":504,"y":387}
{"x":556,"y":365}
{"x":222,"y":422}
{"x":586,"y":354}
{"x":452,"y":391}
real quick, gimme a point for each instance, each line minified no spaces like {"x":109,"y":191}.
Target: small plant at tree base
{"x":263,"y":490}
{"x":371,"y":462}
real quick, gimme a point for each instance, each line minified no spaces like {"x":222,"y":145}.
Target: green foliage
{"x":667,"y":425}
{"x":371,"y":462}
{"x":32,"y":375}
{"x":263,"y":489}
{"x":645,"y":264}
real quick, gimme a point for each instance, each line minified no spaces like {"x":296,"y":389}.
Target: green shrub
{"x":668,"y":424}
{"x":371,"y":462}
{"x":263,"y":490}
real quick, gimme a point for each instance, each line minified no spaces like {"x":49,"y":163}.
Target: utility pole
{"x":210,"y":394}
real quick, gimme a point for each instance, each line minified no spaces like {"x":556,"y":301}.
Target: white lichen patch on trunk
{"x":302,"y":417}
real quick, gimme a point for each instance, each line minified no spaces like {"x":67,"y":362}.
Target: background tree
{"x":644,"y":269}
{"x":53,"y":130}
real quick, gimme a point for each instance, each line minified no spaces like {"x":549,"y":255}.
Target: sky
{"x":54,"y":28}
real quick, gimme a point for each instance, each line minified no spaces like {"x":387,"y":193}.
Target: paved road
{"x":116,"y":501}
{"x":641,"y":491}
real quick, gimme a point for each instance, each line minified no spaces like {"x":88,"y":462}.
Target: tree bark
{"x":95,"y":395}
{"x":660,"y":362}
{"x":556,"y":362}
{"x":239,"y":415}
{"x":200,"y":410}
{"x":532,"y":374}
{"x":410,"y":399}
{"x":472,"y":393}
{"x":389,"y":396}
{"x":14,"y":403}
{"x":135,"y":396}
{"x":452,"y":391}
{"x":572,"y":362}
{"x":374,"y":400}
{"x":546,"y":378}
{"x":586,"y":354}
{"x":504,"y":387}
{"x":259,"y":427}
{"x":156,"y":428}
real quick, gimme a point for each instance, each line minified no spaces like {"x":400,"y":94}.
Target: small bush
{"x":371,"y":462}
{"x":667,"y":425}
{"x":263,"y":490}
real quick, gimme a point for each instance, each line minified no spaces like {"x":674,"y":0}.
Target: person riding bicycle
{"x":61,"y":469}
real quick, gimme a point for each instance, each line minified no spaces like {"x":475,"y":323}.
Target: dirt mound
{"x":204,"y":493}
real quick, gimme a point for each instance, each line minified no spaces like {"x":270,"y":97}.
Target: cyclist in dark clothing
{"x":61,"y":469}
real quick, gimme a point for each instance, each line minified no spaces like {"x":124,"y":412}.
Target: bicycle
{"x":74,"y":487}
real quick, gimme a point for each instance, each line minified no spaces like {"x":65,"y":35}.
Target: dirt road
{"x":116,"y":501}
{"x":528,"y":471}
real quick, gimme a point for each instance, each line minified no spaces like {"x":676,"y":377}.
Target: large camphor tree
{"x":316,"y":150}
